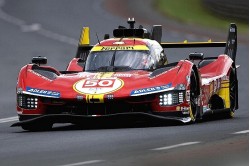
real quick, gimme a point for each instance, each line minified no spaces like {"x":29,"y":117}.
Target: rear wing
{"x":84,"y":44}
{"x":186,"y":44}
{"x":230,"y":45}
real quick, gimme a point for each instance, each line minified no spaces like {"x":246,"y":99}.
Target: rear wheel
{"x":232,"y":93}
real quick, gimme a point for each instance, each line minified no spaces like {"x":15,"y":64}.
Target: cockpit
{"x":120,"y":59}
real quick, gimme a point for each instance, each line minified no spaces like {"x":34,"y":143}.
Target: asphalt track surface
{"x":51,"y":28}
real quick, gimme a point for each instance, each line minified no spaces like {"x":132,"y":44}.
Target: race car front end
{"x":169,"y":105}
{"x":84,"y":96}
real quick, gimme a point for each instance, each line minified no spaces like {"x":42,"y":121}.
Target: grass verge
{"x":192,"y":12}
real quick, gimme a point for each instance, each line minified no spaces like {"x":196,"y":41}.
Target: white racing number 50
{"x":98,"y":83}
{"x":98,"y":86}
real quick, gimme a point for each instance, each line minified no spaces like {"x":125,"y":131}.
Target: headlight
{"x":27,"y":101}
{"x":171,"y":98}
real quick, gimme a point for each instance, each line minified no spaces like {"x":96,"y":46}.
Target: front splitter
{"x":82,"y":119}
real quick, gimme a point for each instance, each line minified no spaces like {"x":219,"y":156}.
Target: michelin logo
{"x":41,"y":92}
{"x":150,"y":90}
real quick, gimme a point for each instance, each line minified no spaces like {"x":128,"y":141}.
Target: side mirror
{"x":39,"y":60}
{"x":196,"y":56}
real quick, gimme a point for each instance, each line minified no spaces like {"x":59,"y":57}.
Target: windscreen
{"x":135,"y":59}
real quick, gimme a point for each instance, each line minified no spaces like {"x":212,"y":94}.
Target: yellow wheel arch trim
{"x":224,"y":93}
{"x":191,"y":113}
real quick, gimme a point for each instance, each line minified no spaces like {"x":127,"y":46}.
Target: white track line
{"x":35,"y":27}
{"x":176,"y":146}
{"x":10,"y":119}
{"x":241,"y":132}
{"x":84,"y":163}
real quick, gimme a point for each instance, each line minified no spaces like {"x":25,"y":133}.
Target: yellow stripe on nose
{"x":98,"y":98}
{"x":103,"y":75}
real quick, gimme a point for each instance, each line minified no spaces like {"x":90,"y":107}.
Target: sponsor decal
{"x":150,"y":90}
{"x":122,"y":75}
{"x":42,"y":92}
{"x":112,"y":48}
{"x":98,"y":86}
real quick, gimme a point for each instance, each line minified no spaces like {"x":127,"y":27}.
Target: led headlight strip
{"x":27,"y":101}
{"x":171,"y":98}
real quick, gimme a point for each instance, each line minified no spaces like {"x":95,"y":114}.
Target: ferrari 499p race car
{"x":129,"y":77}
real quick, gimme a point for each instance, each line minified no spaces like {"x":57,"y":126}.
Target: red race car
{"x":129,"y":77}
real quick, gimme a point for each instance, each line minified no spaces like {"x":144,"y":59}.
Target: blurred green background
{"x":210,"y":13}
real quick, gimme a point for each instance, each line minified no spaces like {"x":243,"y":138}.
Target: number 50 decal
{"x":98,"y":86}
{"x":98,"y":83}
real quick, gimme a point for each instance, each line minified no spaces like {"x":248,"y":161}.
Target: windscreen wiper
{"x":113,"y":57}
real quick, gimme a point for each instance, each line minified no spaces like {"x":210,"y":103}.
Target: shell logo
{"x":98,"y":86}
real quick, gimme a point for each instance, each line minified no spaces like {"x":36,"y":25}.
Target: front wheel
{"x":194,"y":95}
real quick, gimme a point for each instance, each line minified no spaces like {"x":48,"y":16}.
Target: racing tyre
{"x":232,"y":93}
{"x":41,"y":127}
{"x":194,"y":94}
